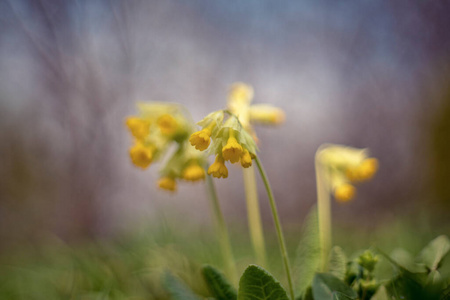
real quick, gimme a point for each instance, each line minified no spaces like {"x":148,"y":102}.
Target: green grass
{"x":131,"y":267}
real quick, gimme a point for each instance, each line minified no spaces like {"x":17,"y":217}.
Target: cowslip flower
{"x":158,"y":127}
{"x":141,"y":155}
{"x":228,"y":141}
{"x":239,"y":103}
{"x":344,"y":166}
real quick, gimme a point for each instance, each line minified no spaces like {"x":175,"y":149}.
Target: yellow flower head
{"x":141,"y":155}
{"x":364,"y":171}
{"x":167,"y":183}
{"x":193,"y":172}
{"x":167,"y":124}
{"x":246,"y":159}
{"x":139,"y":128}
{"x":232,"y":150}
{"x":201,"y":139}
{"x":344,"y":193}
{"x":218,"y":168}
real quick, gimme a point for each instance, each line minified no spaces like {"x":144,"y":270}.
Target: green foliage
{"x":177,"y":289}
{"x":434,"y":252}
{"x":258,"y":284}
{"x":328,"y":287}
{"x":217,"y":284}
{"x":338,"y":262}
{"x":307,"y":261}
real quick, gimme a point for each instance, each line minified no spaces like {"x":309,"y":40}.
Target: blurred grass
{"x":130,"y":267}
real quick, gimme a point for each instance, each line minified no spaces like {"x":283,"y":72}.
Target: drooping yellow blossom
{"x":232,"y":150}
{"x":344,"y":192}
{"x":141,"y":155}
{"x":193,"y":172}
{"x":266,"y":114}
{"x":167,"y":183}
{"x":246,"y":159}
{"x":364,"y":171}
{"x":201,"y":139}
{"x":167,"y":124}
{"x":218,"y":168}
{"x":139,"y":128}
{"x":343,"y":165}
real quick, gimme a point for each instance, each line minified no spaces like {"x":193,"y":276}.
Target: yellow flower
{"x":246,"y":159}
{"x":232,"y":150}
{"x":194,"y":173}
{"x":140,"y":155}
{"x":240,"y":93}
{"x":167,"y":183}
{"x":201,"y":139}
{"x":344,"y":193}
{"x":218,"y":168}
{"x":138,"y":127}
{"x":167,"y":124}
{"x":364,"y":171}
{"x":266,"y":114}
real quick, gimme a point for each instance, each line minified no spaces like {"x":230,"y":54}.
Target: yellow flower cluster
{"x":228,"y":140}
{"x":345,"y":166}
{"x":158,"y":126}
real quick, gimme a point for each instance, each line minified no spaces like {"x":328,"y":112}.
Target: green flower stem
{"x":254,"y":216}
{"x":224,"y":239}
{"x":324,"y":214}
{"x":276,"y":220}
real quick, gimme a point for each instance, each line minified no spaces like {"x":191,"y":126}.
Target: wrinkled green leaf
{"x":217,"y":284}
{"x":434,"y":252}
{"x":307,"y":261}
{"x":327,"y":287}
{"x":338,"y":262}
{"x":177,"y":289}
{"x":258,"y":284}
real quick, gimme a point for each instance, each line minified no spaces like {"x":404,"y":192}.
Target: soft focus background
{"x":362,"y":73}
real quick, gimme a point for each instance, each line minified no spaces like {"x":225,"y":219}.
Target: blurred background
{"x":370,"y":74}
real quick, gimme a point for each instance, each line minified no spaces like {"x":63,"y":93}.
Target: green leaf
{"x":338,"y":262}
{"x":258,"y":284}
{"x":381,"y":294}
{"x":404,"y":259}
{"x":217,"y":284}
{"x":434,"y":252}
{"x":327,"y":287}
{"x":177,"y":289}
{"x":307,"y":261}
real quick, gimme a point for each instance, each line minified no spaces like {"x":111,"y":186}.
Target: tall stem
{"x":324,"y":214}
{"x":254,"y":216}
{"x":224,"y":238}
{"x":276,"y":220}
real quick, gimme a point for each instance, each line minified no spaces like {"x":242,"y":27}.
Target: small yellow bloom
{"x":266,"y":114}
{"x":194,"y":172}
{"x":232,"y":150}
{"x":364,"y":171}
{"x":167,"y":124}
{"x":218,"y":168}
{"x":246,"y":159}
{"x":140,"y":155}
{"x":138,"y":127}
{"x":344,"y":192}
{"x":201,"y":139}
{"x":167,"y":183}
